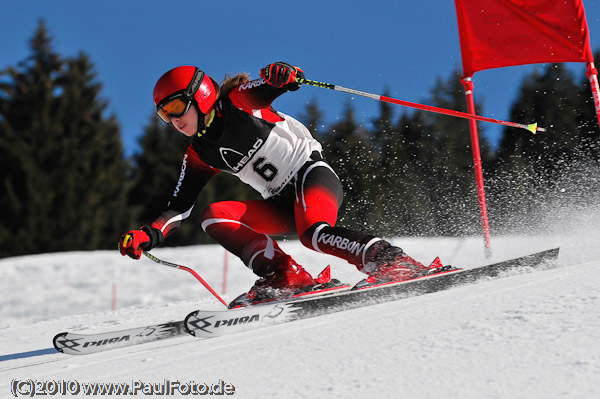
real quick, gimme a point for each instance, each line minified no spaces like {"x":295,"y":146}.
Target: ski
{"x":83,"y":344}
{"x":210,"y":324}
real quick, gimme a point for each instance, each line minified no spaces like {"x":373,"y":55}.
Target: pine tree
{"x":432,"y":180}
{"x":587,"y":117}
{"x":65,"y":166}
{"x":313,"y":118}
{"x":27,"y":104}
{"x":547,"y":98}
{"x":537,"y":172}
{"x":91,"y":151}
{"x":407,"y":207}
{"x":348,"y":149}
{"x":156,"y":169}
{"x":383,"y":137}
{"x":410,"y":177}
{"x":454,"y":194}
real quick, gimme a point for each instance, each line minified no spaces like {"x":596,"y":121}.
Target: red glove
{"x":281,"y":74}
{"x":134,"y":242}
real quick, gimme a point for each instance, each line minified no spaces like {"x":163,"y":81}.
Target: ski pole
{"x":532,"y":127}
{"x":187,"y":269}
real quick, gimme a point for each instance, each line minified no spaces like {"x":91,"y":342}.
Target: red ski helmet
{"x":188,"y":82}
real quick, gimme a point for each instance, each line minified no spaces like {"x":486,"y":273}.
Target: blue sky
{"x":368,"y":46}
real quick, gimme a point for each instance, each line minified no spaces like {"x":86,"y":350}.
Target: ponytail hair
{"x":229,"y":83}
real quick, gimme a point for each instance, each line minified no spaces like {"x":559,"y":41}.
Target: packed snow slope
{"x":530,"y":335}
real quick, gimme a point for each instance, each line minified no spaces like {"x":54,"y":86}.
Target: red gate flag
{"x":500,"y":33}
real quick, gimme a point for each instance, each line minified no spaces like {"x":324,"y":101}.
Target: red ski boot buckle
{"x":325,"y":276}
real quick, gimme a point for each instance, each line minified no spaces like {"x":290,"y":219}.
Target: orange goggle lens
{"x":173,"y":108}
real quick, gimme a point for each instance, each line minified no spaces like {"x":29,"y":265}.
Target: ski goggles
{"x":178,"y":103}
{"x":173,"y":106}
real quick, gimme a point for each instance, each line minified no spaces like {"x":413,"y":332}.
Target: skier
{"x":234,"y":129}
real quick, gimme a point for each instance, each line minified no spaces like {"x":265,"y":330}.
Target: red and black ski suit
{"x":277,"y":156}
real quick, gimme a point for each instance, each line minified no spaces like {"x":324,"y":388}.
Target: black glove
{"x":282,"y":75}
{"x":134,"y":242}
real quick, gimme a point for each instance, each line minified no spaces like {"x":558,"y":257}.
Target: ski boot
{"x":285,"y":279}
{"x":387,"y":264}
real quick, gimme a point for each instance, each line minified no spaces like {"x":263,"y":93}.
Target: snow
{"x":531,"y":335}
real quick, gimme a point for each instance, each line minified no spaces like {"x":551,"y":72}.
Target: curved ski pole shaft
{"x":532,"y":127}
{"x":187,"y":269}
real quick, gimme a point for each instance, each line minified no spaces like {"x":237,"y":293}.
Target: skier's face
{"x":186,"y":123}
